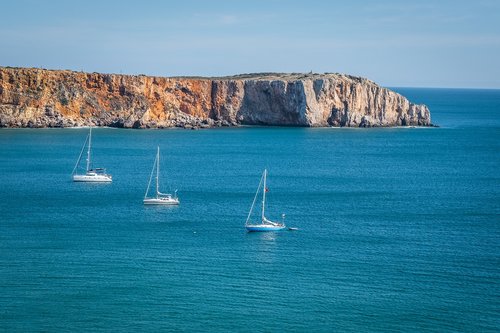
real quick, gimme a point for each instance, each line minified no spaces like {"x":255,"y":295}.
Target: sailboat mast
{"x":88,"y":150}
{"x":264,"y":194}
{"x":157,"y":170}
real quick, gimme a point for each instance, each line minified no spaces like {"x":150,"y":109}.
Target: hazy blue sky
{"x":395,"y":43}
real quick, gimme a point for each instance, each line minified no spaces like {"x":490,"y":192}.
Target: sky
{"x":425,"y":43}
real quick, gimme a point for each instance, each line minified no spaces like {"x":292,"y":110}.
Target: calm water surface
{"x":399,"y":228}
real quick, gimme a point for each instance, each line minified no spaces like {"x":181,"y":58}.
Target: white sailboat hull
{"x":93,"y":178}
{"x":265,"y":227}
{"x":161,"y":201}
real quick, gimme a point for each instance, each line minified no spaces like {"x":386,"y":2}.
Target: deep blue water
{"x":399,"y":228}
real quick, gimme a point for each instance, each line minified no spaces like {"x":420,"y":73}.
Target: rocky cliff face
{"x":32,"y":97}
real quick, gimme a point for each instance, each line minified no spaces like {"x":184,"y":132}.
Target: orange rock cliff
{"x":31,"y":97}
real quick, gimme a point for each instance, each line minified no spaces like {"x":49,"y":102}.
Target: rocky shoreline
{"x":38,"y":98}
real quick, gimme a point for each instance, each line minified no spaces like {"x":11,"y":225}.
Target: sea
{"x":398,"y":228}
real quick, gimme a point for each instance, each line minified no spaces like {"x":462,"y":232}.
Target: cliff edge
{"x":31,"y":97}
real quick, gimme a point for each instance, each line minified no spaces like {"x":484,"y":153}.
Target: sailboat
{"x":265,"y":224}
{"x":95,"y":175}
{"x":161,"y":198}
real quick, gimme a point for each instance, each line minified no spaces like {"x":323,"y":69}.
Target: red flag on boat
{"x":267,"y":190}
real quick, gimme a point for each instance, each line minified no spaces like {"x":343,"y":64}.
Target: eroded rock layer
{"x":31,"y":97}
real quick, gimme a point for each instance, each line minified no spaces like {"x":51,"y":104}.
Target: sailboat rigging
{"x":265,"y":225}
{"x":95,"y":175}
{"x":160,"y":198}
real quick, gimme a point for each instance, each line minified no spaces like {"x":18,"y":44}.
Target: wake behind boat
{"x":265,"y":225}
{"x":160,"y":198}
{"x":93,"y":175}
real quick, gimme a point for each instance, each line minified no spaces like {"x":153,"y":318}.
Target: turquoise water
{"x":399,"y":228}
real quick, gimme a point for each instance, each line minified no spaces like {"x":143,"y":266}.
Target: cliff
{"x":31,"y":97}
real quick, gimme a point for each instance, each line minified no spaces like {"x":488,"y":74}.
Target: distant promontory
{"x":31,"y":97}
